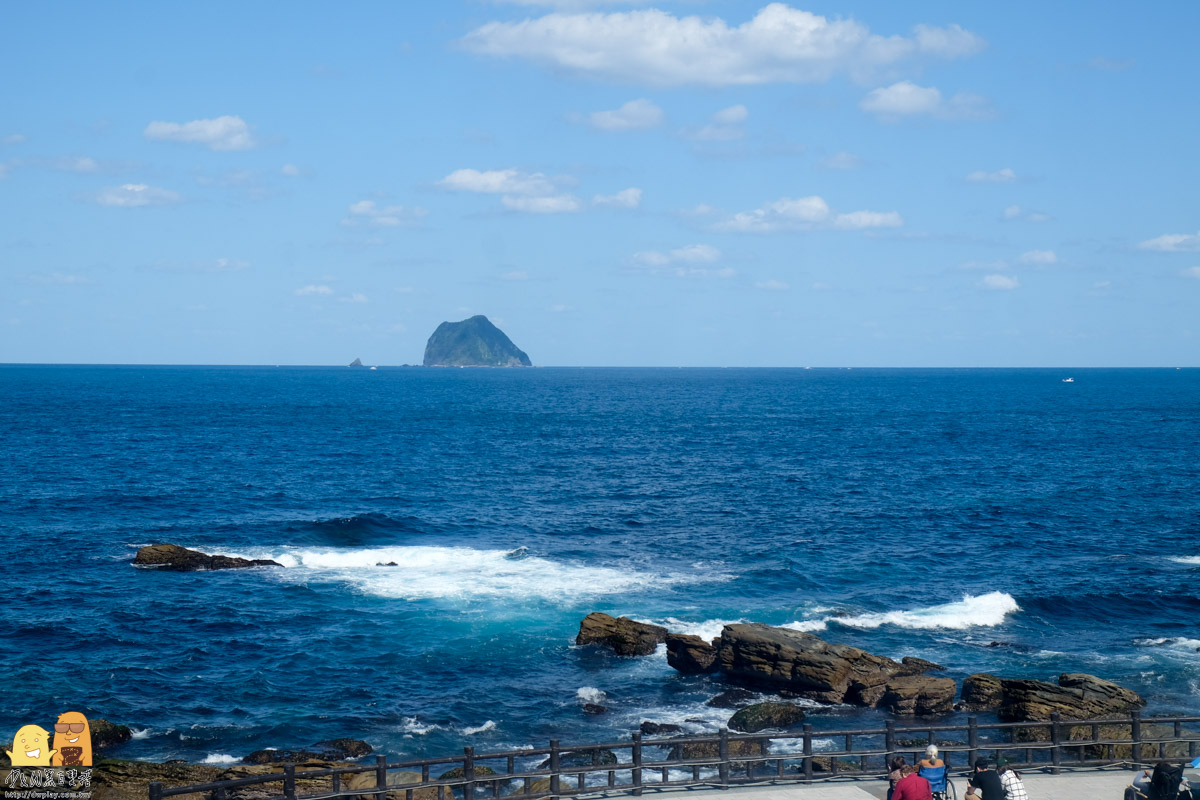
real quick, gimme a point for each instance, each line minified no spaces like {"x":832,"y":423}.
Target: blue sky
{"x":612,"y":183}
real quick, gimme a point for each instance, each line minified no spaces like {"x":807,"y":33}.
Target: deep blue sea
{"x":989,"y":520}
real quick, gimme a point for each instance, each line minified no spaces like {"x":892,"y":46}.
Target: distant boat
{"x":373,"y":367}
{"x":1068,"y":380}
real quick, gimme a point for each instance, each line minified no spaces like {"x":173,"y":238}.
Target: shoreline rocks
{"x":173,"y":558}
{"x":624,"y":636}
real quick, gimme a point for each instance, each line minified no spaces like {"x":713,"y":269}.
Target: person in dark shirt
{"x":985,"y":783}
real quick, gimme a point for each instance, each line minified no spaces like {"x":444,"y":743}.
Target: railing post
{"x":469,"y":773}
{"x":555,"y":787}
{"x":723,"y":755}
{"x":889,"y":744}
{"x":1135,"y":736}
{"x":1056,"y":740}
{"x":381,"y":776}
{"x":156,"y":790}
{"x":972,"y":741}
{"x":289,"y":781}
{"x":637,"y":765}
{"x":808,"y":751}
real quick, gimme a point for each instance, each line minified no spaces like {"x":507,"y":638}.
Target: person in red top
{"x":912,"y":786}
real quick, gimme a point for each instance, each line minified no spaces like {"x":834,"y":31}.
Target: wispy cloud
{"x":1110,"y":64}
{"x":655,"y":48}
{"x":999,"y":282}
{"x":626,"y":198}
{"x":841,"y":161}
{"x":1015,"y":212}
{"x":688,"y":254}
{"x":724,"y":126}
{"x":907,"y":99}
{"x":385,"y":216}
{"x":1005,"y":175}
{"x":772,"y":286}
{"x":553,"y":204}
{"x":805,"y":213}
{"x":1173,"y":243}
{"x":220,"y":134}
{"x":135,"y":195}
{"x":13,"y":138}
{"x":636,"y":115}
{"x":314,"y":290}
{"x":1191,"y":272}
{"x":1042,"y":257}
{"x":498,"y":181}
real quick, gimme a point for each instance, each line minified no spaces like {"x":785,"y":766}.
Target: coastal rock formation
{"x":474,"y":342}
{"x":918,"y":695}
{"x":397,"y":778}
{"x":623,"y":635}
{"x":918,"y":666}
{"x":761,"y":716}
{"x":355,"y":363}
{"x":106,"y":734}
{"x":130,"y":780}
{"x":804,"y":664}
{"x":691,"y":655}
{"x":596,"y":756}
{"x":173,"y":558}
{"x":328,"y":750}
{"x":659,"y":728}
{"x":1077,"y":696}
{"x":981,"y":692}
{"x":732,"y":698}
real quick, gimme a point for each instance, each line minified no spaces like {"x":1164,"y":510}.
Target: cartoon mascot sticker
{"x":31,"y":747}
{"x":72,"y":740}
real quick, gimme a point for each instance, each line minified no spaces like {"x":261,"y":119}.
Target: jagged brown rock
{"x":173,"y":558}
{"x":623,"y":635}
{"x":690,"y":654}
{"x":1078,"y":696}
{"x":918,"y":695}
{"x":982,"y":692}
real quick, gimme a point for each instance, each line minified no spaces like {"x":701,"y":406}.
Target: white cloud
{"x":1110,"y":64}
{"x":516,"y":275}
{"x":636,"y":115}
{"x":554,"y":204}
{"x":1039,"y":257}
{"x":13,"y":138}
{"x":291,"y":170}
{"x":305,"y":291}
{"x":805,"y":213}
{"x":1012,"y":212}
{"x":3,"y":171}
{"x":626,"y":198}
{"x":841,"y":161}
{"x":498,"y":181}
{"x":998,"y":264}
{"x":356,"y":297}
{"x":386,"y":216}
{"x":1016,"y":212}
{"x":688,"y":254}
{"x":999,"y":282}
{"x":772,"y":286}
{"x":81,"y":164}
{"x":221,"y":134}
{"x":558,"y":308}
{"x":1173,"y":243}
{"x":906,"y":99}
{"x":1191,"y":272}
{"x":652,"y":47}
{"x":725,"y":126}
{"x":229,"y":265}
{"x":133,"y":195}
{"x":1005,"y":175}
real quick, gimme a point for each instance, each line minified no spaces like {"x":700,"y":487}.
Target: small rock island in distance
{"x":474,"y":342}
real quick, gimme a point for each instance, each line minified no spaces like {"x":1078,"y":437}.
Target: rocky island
{"x":474,"y":342}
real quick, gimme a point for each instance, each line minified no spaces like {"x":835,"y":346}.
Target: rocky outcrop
{"x":691,"y":655}
{"x":130,"y":780}
{"x":355,"y":363}
{"x":474,"y":342}
{"x":1077,"y":696}
{"x":732,"y":698}
{"x":918,"y":666}
{"x":596,"y":756}
{"x":918,"y":695}
{"x":737,"y":747}
{"x":345,"y":748}
{"x":395,"y":778}
{"x":106,"y":734}
{"x":623,"y":635}
{"x":981,"y":692}
{"x":659,"y":728}
{"x":173,"y":558}
{"x":329,"y":750}
{"x":804,"y":664}
{"x":762,"y":716}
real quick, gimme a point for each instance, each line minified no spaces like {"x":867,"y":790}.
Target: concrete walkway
{"x":1093,"y":784}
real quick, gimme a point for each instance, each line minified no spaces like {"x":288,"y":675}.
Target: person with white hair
{"x":931,"y":760}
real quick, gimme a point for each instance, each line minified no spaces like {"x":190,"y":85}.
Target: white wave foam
{"x":590,"y":694}
{"x":484,"y":728}
{"x":707,"y":630}
{"x":973,"y":610}
{"x":1179,"y":644}
{"x":1193,"y":561}
{"x":137,"y":734}
{"x":220,"y":758}
{"x":415,"y":727}
{"x":426,"y":572}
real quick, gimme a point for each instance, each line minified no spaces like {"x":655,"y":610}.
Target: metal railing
{"x":632,"y":766}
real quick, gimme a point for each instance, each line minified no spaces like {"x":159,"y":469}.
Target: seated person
{"x":985,"y":783}
{"x":931,"y":760}
{"x":912,"y":786}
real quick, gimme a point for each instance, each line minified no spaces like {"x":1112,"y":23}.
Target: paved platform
{"x":1092,"y":784}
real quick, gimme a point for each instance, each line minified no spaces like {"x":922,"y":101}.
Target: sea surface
{"x":988,"y":520}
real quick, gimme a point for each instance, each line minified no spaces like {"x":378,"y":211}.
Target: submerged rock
{"x":173,"y":558}
{"x":623,"y":635}
{"x":659,"y":728}
{"x":732,"y":698}
{"x":762,"y":716}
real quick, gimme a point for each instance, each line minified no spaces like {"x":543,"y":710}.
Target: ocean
{"x":988,"y":520}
